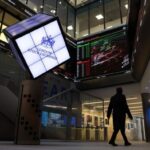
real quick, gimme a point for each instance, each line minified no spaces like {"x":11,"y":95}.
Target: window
{"x":82,"y":23}
{"x":50,"y":6}
{"x":62,"y":13}
{"x":72,"y":2}
{"x":71,"y":21}
{"x":23,"y":1}
{"x":9,"y":19}
{"x":112,"y":13}
{"x":96,"y":17}
{"x":124,"y":9}
{"x":35,"y":5}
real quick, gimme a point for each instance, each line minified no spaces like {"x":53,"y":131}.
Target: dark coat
{"x":118,"y":105}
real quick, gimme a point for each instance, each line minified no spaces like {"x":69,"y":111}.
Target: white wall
{"x":130,"y":90}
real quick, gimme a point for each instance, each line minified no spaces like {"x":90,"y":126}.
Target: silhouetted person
{"x":119,"y":108}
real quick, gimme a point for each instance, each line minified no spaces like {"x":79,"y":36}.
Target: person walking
{"x":119,"y":108}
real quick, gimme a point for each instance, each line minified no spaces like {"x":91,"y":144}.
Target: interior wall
{"x":7,"y":129}
{"x":129,"y":90}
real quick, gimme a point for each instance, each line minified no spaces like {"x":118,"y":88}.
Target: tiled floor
{"x":55,"y":145}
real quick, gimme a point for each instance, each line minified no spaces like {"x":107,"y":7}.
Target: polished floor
{"x":59,"y":145}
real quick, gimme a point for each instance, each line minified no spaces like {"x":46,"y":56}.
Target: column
{"x":146,"y":111}
{"x":28,"y":114}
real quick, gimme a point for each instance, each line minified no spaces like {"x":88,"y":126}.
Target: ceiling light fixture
{"x":99,"y":16}
{"x":70,"y":27}
{"x":91,"y":103}
{"x":41,"y":6}
{"x":85,"y":34}
{"x":109,"y":27}
{"x":126,"y":6}
{"x":53,"y":11}
{"x":66,"y":77}
{"x":131,"y":98}
{"x":54,"y":106}
{"x":35,"y":9}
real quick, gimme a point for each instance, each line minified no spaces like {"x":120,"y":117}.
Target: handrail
{"x":60,"y":93}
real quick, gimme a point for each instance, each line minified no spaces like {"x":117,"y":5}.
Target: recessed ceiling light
{"x":85,"y":34}
{"x":109,"y":27}
{"x":70,"y":27}
{"x":60,"y":2}
{"x":132,"y":98}
{"x":66,"y":77}
{"x":99,"y":16}
{"x":41,"y":6}
{"x":55,"y":72}
{"x":53,"y":11}
{"x":126,"y":6}
{"x":35,"y":9}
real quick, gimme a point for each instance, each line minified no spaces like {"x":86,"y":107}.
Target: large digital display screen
{"x":56,"y":119}
{"x":43,"y":48}
{"x":109,"y":54}
{"x":103,"y":55}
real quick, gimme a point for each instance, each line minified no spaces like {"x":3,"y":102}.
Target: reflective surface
{"x":91,"y":16}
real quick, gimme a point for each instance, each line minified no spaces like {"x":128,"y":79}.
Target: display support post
{"x":29,"y":113}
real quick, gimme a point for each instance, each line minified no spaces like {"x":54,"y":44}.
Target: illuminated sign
{"x":42,"y":48}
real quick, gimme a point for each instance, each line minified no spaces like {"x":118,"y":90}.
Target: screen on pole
{"x":43,"y":48}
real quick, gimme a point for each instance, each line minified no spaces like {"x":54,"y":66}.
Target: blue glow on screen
{"x":73,"y":121}
{"x":148,"y":116}
{"x":44,"y":119}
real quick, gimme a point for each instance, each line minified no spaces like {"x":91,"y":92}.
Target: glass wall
{"x":9,"y":69}
{"x":81,"y":18}
{"x":71,"y":21}
{"x":112,"y":13}
{"x":96,"y":17}
{"x":37,"y":6}
{"x":23,"y":1}
{"x":100,"y":15}
{"x":72,"y":2}
{"x":5,"y":20}
{"x":124,"y":10}
{"x":62,"y":13}
{"x":50,"y":6}
{"x":82,"y":22}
